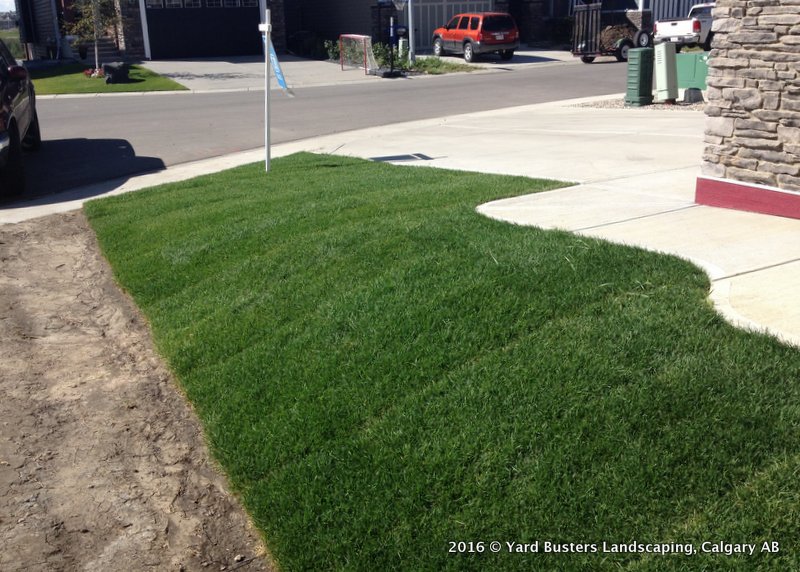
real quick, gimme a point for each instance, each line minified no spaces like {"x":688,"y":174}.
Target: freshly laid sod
{"x":69,"y":78}
{"x":437,"y":66}
{"x":384,"y":373}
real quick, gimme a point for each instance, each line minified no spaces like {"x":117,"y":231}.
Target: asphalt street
{"x":89,"y":140}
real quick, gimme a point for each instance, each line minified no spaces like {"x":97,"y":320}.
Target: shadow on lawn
{"x":68,"y":169}
{"x":49,"y":70}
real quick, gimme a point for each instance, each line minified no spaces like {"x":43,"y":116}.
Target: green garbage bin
{"x":640,"y":77}
{"x":692,"y":69}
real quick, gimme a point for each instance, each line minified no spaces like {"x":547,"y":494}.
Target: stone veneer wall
{"x":753,"y":126}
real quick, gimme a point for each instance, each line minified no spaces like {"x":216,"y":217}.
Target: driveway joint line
{"x":635,"y":218}
{"x":756,"y":270}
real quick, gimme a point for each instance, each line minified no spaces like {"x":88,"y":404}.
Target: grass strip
{"x":70,"y":78}
{"x":436,"y":66}
{"x":381,"y":371}
{"x":11,"y":40}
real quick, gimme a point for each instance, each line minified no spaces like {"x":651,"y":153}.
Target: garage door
{"x":430,"y":14}
{"x":189,"y":29}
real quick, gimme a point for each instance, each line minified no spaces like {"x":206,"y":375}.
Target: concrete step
{"x":106,"y":50}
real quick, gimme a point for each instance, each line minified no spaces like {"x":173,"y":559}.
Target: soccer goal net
{"x":355,"y":51}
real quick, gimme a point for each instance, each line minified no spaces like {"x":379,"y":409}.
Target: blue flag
{"x":276,"y":68}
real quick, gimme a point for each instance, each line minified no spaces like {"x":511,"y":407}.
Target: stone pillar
{"x":131,"y":37}
{"x":752,"y":155}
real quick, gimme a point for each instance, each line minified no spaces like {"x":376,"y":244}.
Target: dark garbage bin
{"x":116,"y":72}
{"x":640,"y":77}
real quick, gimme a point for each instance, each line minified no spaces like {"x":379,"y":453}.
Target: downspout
{"x":145,"y":30}
{"x":33,"y":35}
{"x":57,"y":32}
{"x":27,"y":23}
{"x":412,"y":40}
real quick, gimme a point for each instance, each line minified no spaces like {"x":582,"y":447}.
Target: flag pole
{"x":266,"y":29}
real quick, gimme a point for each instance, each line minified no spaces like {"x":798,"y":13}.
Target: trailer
{"x":610,"y":28}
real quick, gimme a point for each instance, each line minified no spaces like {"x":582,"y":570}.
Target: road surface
{"x":90,"y":140}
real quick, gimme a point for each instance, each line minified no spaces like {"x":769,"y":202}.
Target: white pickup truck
{"x":694,"y":30}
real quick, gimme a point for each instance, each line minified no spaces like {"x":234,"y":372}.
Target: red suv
{"x":480,"y":33}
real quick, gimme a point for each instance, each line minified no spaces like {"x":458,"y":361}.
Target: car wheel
{"x":12,"y":177}
{"x":622,"y":51}
{"x":587,"y":59}
{"x":469,"y":53}
{"x":642,"y":39}
{"x":506,"y":55}
{"x":707,"y":44}
{"x":438,"y":48}
{"x":33,"y":138}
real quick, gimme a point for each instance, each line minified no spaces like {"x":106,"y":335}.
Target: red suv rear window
{"x":497,"y":23}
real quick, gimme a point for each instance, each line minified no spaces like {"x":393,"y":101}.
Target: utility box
{"x":640,"y":77}
{"x":666,"y":72}
{"x":692,"y":69}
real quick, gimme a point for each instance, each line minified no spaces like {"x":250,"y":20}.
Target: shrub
{"x":383,"y":56}
{"x":332,"y":49}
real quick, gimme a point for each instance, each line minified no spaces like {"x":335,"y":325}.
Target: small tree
{"x":91,"y":19}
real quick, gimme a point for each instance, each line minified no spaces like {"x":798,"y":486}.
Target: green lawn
{"x":11,"y":40}
{"x":69,"y":78}
{"x":382,"y":371}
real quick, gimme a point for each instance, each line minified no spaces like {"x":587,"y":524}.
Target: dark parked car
{"x":19,"y":124}
{"x":477,"y":33}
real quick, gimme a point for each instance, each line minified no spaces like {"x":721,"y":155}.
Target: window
{"x":173,"y":3}
{"x":474,"y":23}
{"x":249,"y":3}
{"x":192,"y":4}
{"x":230,"y":3}
{"x":213,"y":3}
{"x":464,"y":23}
{"x":155,"y":3}
{"x":497,"y":24}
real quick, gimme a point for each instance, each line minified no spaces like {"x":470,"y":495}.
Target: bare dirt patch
{"x":102,"y":462}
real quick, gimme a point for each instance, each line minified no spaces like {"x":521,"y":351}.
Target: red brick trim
{"x":730,"y":194}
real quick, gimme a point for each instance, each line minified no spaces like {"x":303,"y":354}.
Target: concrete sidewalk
{"x":634,"y":171}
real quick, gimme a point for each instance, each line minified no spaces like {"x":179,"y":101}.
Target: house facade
{"x":39,"y":25}
{"x":164,"y":29}
{"x":158,"y":29}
